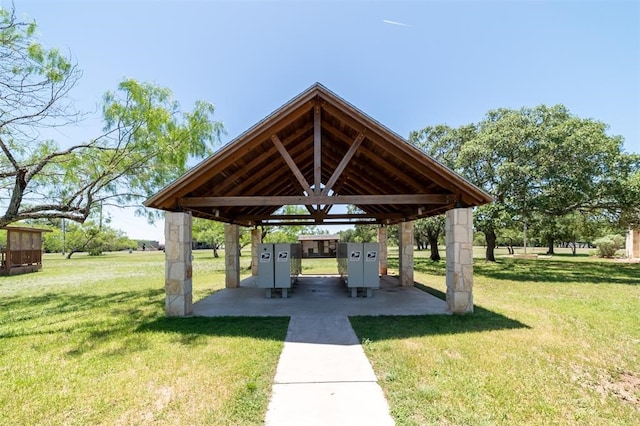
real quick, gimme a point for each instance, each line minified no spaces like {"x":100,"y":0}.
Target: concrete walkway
{"x":324,"y":377}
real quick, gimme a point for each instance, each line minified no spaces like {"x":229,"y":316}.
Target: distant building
{"x":319,"y":245}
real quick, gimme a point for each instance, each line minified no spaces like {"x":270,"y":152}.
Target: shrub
{"x":608,"y":245}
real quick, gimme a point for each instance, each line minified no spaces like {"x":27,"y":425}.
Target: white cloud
{"x":400,"y":24}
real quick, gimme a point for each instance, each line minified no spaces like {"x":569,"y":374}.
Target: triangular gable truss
{"x":318,"y":151}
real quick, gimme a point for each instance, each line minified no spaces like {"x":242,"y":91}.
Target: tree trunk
{"x":573,"y":248}
{"x":510,"y":246}
{"x":435,"y":254}
{"x":215,"y":251}
{"x":11,"y":213}
{"x":491,"y":238}
{"x":550,"y":246}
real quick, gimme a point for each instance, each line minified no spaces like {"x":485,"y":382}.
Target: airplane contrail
{"x":400,"y":24}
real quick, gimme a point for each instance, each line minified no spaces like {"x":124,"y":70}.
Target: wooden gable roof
{"x":318,"y":151}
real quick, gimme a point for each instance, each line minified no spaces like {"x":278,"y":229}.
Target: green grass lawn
{"x":85,"y":341}
{"x":553,"y":341}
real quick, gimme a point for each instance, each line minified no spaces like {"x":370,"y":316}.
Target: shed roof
{"x":25,"y":229}
{"x":323,"y":237}
{"x":317,"y":150}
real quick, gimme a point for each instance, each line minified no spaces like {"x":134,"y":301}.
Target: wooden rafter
{"x":384,"y":164}
{"x":257,"y":162}
{"x":292,"y":164}
{"x":261,"y":181}
{"x":418,"y":199}
{"x":343,"y":163}
{"x":317,"y":149}
{"x":291,"y":217}
{"x":337,"y":222}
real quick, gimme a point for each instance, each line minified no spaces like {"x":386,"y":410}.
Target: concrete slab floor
{"x":319,"y":295}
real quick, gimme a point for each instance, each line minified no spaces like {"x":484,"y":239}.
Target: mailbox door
{"x":354,"y":265}
{"x":265,"y":266}
{"x":370,"y":264}
{"x":282,"y":262}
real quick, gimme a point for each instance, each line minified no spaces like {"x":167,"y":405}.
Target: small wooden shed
{"x":23,"y":252}
{"x":319,"y":245}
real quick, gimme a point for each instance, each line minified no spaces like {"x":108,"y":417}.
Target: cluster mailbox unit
{"x":278,"y":266}
{"x":358,"y":266}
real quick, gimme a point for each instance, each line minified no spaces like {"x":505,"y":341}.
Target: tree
{"x":608,"y":245}
{"x":88,"y":237}
{"x":468,"y":154}
{"x":288,"y":233}
{"x":145,"y":143}
{"x":360,"y":233}
{"x":579,"y":168}
{"x":430,"y":229}
{"x":538,"y":164}
{"x":210,"y":232}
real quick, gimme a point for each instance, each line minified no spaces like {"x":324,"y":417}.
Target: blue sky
{"x":450,"y":62}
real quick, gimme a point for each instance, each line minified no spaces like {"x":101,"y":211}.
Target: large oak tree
{"x":541,"y":165}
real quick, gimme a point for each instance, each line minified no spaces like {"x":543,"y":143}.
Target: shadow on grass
{"x":400,"y":327}
{"x":116,"y":324}
{"x":560,"y":271}
{"x":543,"y":270}
{"x":104,"y":314}
{"x":55,"y":312}
{"x":191,"y":329}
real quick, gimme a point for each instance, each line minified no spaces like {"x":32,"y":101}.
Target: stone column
{"x":405,"y":254}
{"x":256,"y":235}
{"x":459,"y":241}
{"x":382,"y":250}
{"x":632,"y":245}
{"x":178,"y":284}
{"x":232,"y":255}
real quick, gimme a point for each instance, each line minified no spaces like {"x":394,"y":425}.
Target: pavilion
{"x":318,"y":151}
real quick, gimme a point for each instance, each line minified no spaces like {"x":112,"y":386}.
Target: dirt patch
{"x":625,"y":387}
